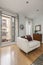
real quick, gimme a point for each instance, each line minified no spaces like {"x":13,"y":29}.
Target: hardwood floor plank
{"x":12,"y":55}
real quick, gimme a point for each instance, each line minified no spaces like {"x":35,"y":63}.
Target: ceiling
{"x":32,"y":10}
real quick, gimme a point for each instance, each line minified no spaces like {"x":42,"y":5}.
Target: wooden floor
{"x":12,"y":55}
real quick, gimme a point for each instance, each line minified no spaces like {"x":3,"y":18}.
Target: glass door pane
{"x":6,"y":28}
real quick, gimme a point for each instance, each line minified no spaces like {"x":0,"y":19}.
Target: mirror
{"x":38,"y":28}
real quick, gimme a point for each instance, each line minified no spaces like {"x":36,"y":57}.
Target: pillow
{"x":26,"y":37}
{"x":22,"y":36}
{"x":29,"y":38}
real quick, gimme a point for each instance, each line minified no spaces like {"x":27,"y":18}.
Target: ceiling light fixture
{"x":37,"y":10}
{"x":27,"y":2}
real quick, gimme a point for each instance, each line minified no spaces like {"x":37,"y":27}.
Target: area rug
{"x":38,"y":61}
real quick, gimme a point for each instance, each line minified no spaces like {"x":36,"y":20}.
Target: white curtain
{"x":28,"y":27}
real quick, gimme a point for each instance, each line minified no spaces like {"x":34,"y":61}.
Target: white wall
{"x":24,"y":20}
{"x":39,"y":21}
{"x":0,"y":27}
{"x":21,"y":21}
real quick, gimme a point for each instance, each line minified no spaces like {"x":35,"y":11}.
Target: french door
{"x":9,"y":28}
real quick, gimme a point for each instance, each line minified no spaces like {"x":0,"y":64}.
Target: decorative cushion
{"x":28,"y":37}
{"x":22,"y":36}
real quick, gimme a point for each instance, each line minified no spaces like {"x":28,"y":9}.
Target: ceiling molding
{"x":28,"y":18}
{"x":8,"y":12}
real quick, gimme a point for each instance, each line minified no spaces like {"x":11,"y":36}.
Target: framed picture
{"x":22,"y":26}
{"x":38,"y":27}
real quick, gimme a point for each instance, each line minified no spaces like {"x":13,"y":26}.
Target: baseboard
{"x":7,"y":44}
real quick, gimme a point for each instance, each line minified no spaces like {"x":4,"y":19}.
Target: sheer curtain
{"x":28,"y":27}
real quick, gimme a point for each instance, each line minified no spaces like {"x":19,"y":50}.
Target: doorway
{"x":9,"y":29}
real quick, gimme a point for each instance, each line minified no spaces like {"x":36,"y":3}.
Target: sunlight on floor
{"x":5,"y":57}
